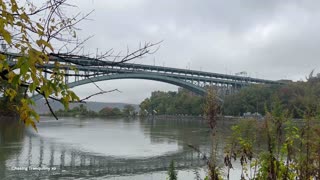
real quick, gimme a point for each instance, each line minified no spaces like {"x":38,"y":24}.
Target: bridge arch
{"x":160,"y":78}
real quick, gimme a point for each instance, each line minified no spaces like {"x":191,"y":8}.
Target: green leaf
{"x":32,"y":87}
{"x":45,"y":43}
{"x":74,"y":96}
{"x":16,"y":80}
{"x":24,"y":68}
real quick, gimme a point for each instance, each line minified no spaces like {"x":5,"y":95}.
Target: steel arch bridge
{"x":191,"y":87}
{"x":89,"y":70}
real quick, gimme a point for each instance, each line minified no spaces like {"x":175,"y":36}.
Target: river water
{"x":95,"y":148}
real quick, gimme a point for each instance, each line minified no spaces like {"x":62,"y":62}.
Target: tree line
{"x":294,"y":96}
{"x":172,"y":103}
{"x":127,"y":111}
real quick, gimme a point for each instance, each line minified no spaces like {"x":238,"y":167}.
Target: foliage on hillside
{"x":295,"y":97}
{"x":82,"y":110}
{"x":182,"y":102}
{"x":111,"y":112}
{"x":76,"y":111}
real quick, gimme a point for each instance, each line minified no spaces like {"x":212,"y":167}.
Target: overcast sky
{"x":268,"y":39}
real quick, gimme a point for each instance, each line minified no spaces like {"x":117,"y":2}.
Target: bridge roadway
{"x":85,"y":62}
{"x":102,"y":70}
{"x":93,"y":70}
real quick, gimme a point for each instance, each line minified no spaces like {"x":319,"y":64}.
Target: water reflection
{"x":116,"y":137}
{"x":11,"y":136}
{"x":65,"y":162}
{"x":91,"y":148}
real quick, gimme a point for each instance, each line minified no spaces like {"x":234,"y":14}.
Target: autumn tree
{"x":32,"y":34}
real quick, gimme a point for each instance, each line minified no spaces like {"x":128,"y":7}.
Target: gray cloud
{"x":268,"y":39}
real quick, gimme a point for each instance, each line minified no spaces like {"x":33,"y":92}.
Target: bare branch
{"x":99,"y":93}
{"x":103,"y":60}
{"x":50,"y":108}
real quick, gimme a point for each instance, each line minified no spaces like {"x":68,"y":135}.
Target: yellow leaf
{"x":11,"y":75}
{"x":6,"y":35}
{"x":14,"y":7}
{"x":41,"y":42}
{"x":34,"y":126}
{"x":25,"y":17}
{"x":39,"y":26}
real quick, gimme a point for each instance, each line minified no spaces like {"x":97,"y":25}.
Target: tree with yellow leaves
{"x":29,"y":34}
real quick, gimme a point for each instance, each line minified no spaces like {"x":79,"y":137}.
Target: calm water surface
{"x":93,"y":148}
